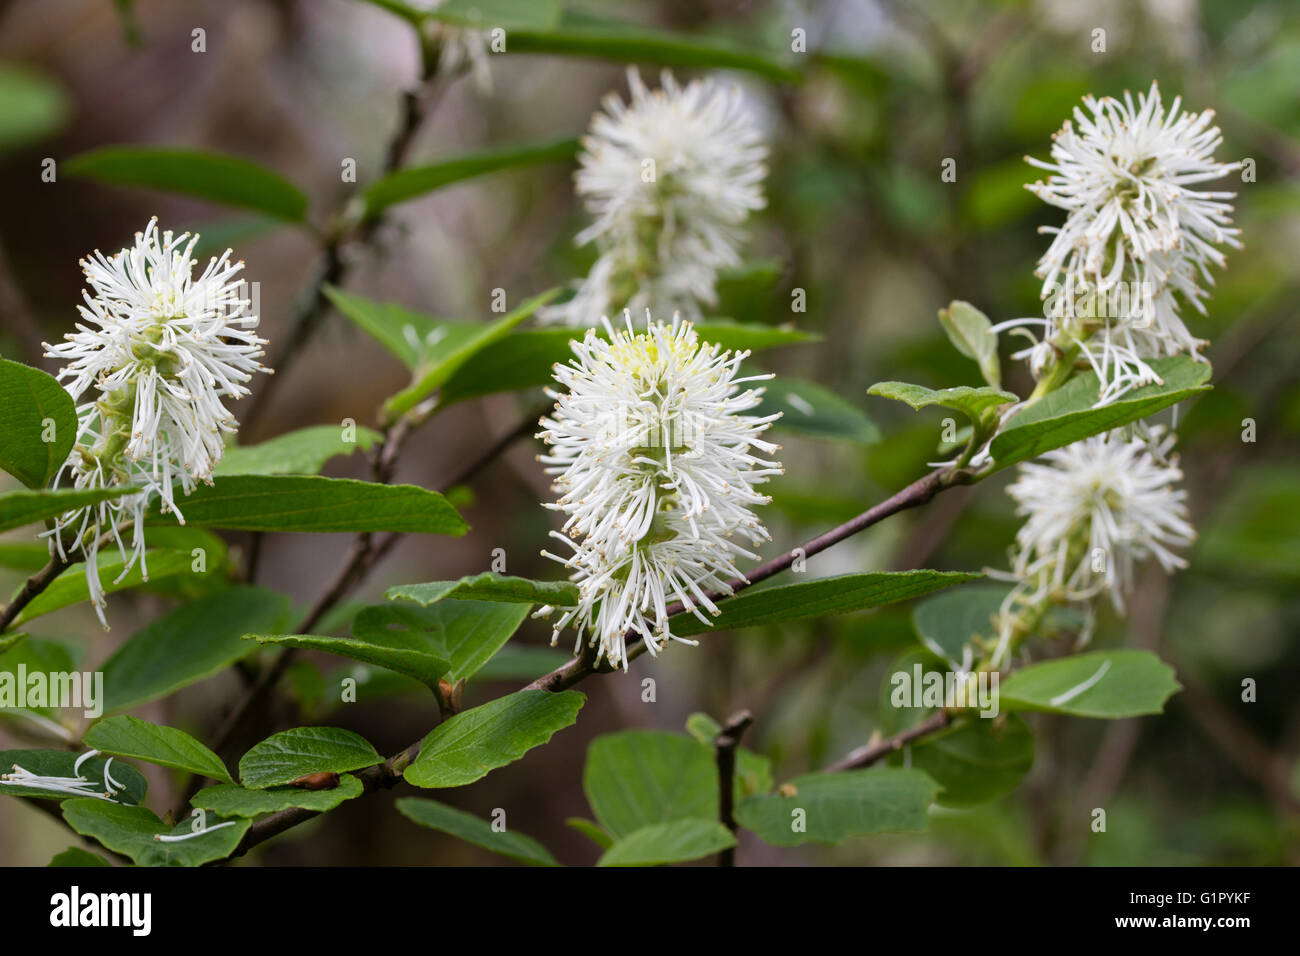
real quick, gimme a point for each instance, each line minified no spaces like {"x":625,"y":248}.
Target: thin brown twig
{"x":866,"y":755}
{"x":43,"y":578}
{"x":725,"y":744}
{"x":33,"y":586}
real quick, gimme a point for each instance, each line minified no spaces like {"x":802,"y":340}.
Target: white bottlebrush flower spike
{"x":670,"y":178}
{"x":1095,"y":509}
{"x":1138,"y":237}
{"x":655,"y":463}
{"x":156,"y":354}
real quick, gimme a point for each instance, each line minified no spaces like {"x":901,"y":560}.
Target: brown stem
{"x":725,"y":745}
{"x":867,"y":755}
{"x":33,"y":586}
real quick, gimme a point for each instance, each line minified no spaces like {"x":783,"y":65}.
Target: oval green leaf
{"x":830,"y":807}
{"x":1105,"y":684}
{"x":231,"y":800}
{"x":471,"y":829}
{"x":1067,"y":415}
{"x":191,"y":643}
{"x":284,"y":757}
{"x":834,"y":595}
{"x":310,"y":503}
{"x":472,"y":744}
{"x":36,"y":407}
{"x":227,"y":180}
{"x":125,"y":736}
{"x":300,"y":452}
{"x":674,"y":842}
{"x":132,"y":831}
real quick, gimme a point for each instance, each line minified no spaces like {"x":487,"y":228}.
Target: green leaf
{"x":76,"y":856}
{"x":403,"y":332}
{"x":459,"y":343}
{"x":971,"y":402}
{"x":61,"y":763}
{"x":1066,"y":415}
{"x":473,"y":743}
{"x":466,"y":826}
{"x":228,"y":180}
{"x":414,"y":181}
{"x":231,"y":800}
{"x":1106,"y":684}
{"x":971,"y":334}
{"x":672,"y":842}
{"x":22,"y":656}
{"x":507,"y":14}
{"x":836,"y":806}
{"x":284,"y":757}
{"x":811,"y":410}
{"x":526,"y":358}
{"x":973,"y":761}
{"x":636,"y":778}
{"x":833,"y":595}
{"x":125,"y":736}
{"x":627,"y":43}
{"x":18,"y":508}
{"x":131,"y":831}
{"x":466,"y":633}
{"x":591,"y":830}
{"x":175,"y":537}
{"x":753,"y":774}
{"x":703,"y":728}
{"x":70,"y":587}
{"x":193,"y":642}
{"x":301,"y":452}
{"x":32,"y":106}
{"x":410,"y":649}
{"x":472,"y":631}
{"x":947,"y":622}
{"x":313,"y":503}
{"x":489,"y":586}
{"x":34,"y":402}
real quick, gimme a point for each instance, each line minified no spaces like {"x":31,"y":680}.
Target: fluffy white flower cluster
{"x":1137,"y":240}
{"x":156,"y":354}
{"x":670,"y":179}
{"x":656,"y":463}
{"x":1093,"y":511}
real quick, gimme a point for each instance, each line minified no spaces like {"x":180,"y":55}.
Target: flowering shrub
{"x":701,"y":519}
